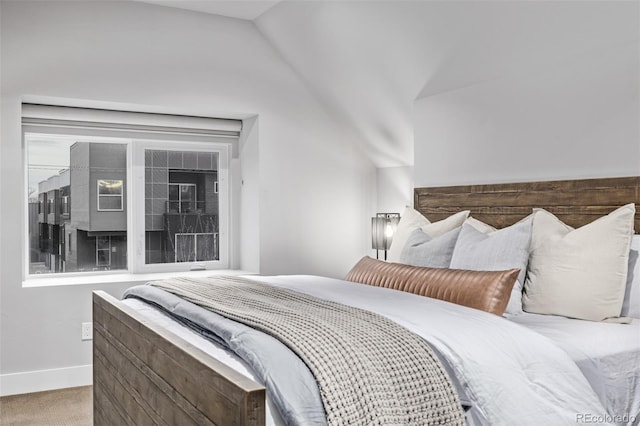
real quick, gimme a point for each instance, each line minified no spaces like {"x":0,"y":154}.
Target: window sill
{"x":113,"y":278}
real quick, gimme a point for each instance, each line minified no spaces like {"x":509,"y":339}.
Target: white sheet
{"x":607,"y":354}
{"x":515,"y":375}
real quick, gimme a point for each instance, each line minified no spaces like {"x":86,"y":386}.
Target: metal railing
{"x":185,"y":207}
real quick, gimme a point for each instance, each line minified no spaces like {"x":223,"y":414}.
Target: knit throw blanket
{"x":370,"y":370}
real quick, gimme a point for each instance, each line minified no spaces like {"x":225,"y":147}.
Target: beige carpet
{"x":68,"y":407}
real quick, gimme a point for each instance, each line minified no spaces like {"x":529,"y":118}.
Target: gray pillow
{"x":626,"y":304}
{"x":504,"y":249}
{"x":631,"y":303}
{"x":422,"y":250}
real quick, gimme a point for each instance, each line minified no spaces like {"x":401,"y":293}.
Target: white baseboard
{"x":37,"y":381}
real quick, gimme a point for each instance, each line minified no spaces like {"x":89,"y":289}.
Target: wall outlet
{"x":87,"y":331}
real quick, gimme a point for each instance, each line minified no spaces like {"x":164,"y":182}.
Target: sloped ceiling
{"x":367,"y":61}
{"x":240,"y":9}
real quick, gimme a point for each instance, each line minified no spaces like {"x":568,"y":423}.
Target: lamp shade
{"x":383,"y":226}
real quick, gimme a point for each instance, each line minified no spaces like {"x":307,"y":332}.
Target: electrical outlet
{"x":87,"y":330}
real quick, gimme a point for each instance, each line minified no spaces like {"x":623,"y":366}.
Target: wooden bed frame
{"x":144,"y":374}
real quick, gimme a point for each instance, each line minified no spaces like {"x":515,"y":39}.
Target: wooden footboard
{"x":144,"y":374}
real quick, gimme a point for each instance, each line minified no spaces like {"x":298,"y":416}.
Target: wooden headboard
{"x":575,"y":202}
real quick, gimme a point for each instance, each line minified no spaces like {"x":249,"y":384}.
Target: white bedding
{"x":515,"y":375}
{"x":607,"y":354}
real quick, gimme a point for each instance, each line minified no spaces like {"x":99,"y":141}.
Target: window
{"x":134,"y":197}
{"x":110,"y":195}
{"x":71,"y":168}
{"x":182,"y":205}
{"x":64,"y":208}
{"x":103,"y":251}
{"x":183,"y":197}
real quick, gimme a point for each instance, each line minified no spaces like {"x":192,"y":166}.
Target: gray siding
{"x":107,"y":161}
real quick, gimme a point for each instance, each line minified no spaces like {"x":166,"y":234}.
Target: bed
{"x":149,"y":369}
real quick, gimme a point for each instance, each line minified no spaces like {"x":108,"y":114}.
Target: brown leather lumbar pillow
{"x":485,"y":290}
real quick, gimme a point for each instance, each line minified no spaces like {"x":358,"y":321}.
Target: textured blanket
{"x":369,"y":369}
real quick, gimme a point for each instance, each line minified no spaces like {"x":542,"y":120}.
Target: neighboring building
{"x":51,"y":220}
{"x":36,"y":256}
{"x":96,"y":234}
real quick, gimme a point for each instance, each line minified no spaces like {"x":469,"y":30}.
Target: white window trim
{"x":98,"y":195}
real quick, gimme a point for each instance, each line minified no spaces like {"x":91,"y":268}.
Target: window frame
{"x":98,"y":195}
{"x":224,"y":204}
{"x":180,"y":185}
{"x":64,"y":205}
{"x":134,"y":197}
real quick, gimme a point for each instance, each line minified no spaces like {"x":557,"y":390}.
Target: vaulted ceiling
{"x":241,"y":9}
{"x":368,"y":61}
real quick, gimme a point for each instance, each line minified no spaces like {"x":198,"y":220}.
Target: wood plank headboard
{"x":575,"y":202}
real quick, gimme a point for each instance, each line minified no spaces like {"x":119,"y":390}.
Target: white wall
{"x":573,"y":112}
{"x":495,"y":79}
{"x":394,"y":189}
{"x":310,"y":197}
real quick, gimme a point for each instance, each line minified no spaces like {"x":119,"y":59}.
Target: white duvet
{"x":607,"y":354}
{"x":514,"y":375}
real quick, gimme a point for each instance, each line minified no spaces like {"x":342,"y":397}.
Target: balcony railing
{"x":185,"y":207}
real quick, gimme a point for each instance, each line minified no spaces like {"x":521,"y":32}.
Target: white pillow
{"x":631,"y":305}
{"x":579,"y":273}
{"x":480,"y":225}
{"x":412,"y":220}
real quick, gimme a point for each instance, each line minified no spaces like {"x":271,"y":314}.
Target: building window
{"x":183,"y":197}
{"x":103,"y":251}
{"x":110,"y":193}
{"x":64,"y":208}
